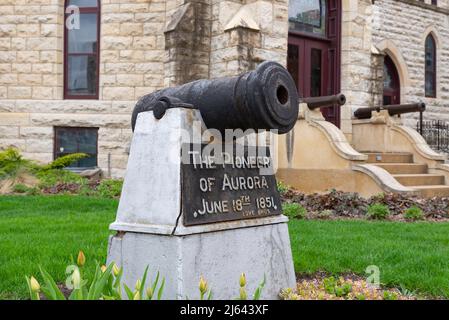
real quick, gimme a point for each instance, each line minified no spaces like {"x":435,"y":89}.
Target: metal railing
{"x":436,"y":134}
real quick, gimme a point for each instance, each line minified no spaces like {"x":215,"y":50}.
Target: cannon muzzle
{"x":265,"y":98}
{"x":394,"y":109}
{"x":326,"y":101}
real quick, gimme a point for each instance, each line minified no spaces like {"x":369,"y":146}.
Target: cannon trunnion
{"x":265,"y":98}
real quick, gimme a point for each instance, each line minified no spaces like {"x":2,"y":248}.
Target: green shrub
{"x":390,"y":296}
{"x":336,"y":287}
{"x":282,"y":187}
{"x":50,"y":178}
{"x":110,"y":188}
{"x":11,"y":162}
{"x":414,"y":213}
{"x":64,"y":161}
{"x":20,"y":188}
{"x":34,"y":191}
{"x":378,"y":211}
{"x":294,"y":210}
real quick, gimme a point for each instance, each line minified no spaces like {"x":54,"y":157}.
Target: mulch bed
{"x":338,"y":204}
{"x":317,"y":287}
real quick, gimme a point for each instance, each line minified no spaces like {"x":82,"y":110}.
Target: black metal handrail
{"x":436,"y":134}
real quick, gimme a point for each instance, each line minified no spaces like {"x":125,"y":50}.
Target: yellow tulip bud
{"x":138,"y":284}
{"x":115,"y":270}
{"x":35,"y":286}
{"x":203,"y":285}
{"x":243,"y":295}
{"x":136,"y":296}
{"x":76,"y":278}
{"x":81,"y":259}
{"x":103,"y":268}
{"x":242,"y":280}
{"x":150,"y":292}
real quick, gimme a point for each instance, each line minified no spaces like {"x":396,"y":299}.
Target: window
{"x":307,"y":16}
{"x":430,"y":67}
{"x":81,"y":49}
{"x":72,"y":140}
{"x":392,"y":88}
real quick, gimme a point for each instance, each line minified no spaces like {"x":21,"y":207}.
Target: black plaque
{"x":228,"y":186}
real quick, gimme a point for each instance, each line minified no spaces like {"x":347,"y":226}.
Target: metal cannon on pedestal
{"x":265,"y":98}
{"x":325,"y":101}
{"x":394,"y":109}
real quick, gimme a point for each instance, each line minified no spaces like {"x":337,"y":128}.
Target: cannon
{"x":325,"y":101}
{"x":265,"y":98}
{"x":394,"y":109}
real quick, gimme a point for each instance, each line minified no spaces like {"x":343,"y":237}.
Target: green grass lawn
{"x":48,"y":230}
{"x":415,"y":255}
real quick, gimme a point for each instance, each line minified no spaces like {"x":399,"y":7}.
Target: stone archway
{"x":387,"y":47}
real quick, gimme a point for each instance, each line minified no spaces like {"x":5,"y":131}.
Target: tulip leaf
{"x":161,"y":289}
{"x":50,"y":287}
{"x":144,"y":278}
{"x":129,"y":292}
{"x":258,"y":291}
{"x":155,"y":282}
{"x":97,"y":287}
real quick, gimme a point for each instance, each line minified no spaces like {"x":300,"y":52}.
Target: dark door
{"x":313,"y":50}
{"x":392,"y":86}
{"x":308,"y":64}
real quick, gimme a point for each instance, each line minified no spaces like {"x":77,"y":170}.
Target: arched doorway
{"x":392,"y":86}
{"x":314,"y":50}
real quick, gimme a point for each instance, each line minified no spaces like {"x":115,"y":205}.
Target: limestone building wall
{"x":149,"y":44}
{"x":31,"y":75}
{"x":399,"y":30}
{"x":145,"y":45}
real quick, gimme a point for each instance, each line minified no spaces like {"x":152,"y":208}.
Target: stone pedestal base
{"x":220,"y":257}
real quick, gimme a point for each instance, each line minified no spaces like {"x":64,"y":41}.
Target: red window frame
{"x":430,"y":73}
{"x":67,"y":95}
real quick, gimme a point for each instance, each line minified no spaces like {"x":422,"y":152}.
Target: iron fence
{"x":436,"y":134}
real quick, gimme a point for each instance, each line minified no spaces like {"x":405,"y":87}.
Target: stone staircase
{"x":410,"y":174}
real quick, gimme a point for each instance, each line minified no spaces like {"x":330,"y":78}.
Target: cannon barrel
{"x":265,"y":98}
{"x":394,"y":109}
{"x":325,"y":101}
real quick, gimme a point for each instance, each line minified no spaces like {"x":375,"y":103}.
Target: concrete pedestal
{"x":151,"y":231}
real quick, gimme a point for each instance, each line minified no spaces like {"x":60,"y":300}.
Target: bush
{"x":110,"y":188}
{"x":11,"y":162}
{"x":294,"y":210}
{"x":64,"y":161}
{"x":34,"y":191}
{"x":282,"y":187}
{"x":378,"y":211}
{"x":337,"y":287}
{"x":414,"y":213}
{"x":20,"y":188}
{"x":50,"y":178}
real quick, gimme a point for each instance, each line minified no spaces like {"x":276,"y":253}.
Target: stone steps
{"x":433,"y":191}
{"x":393,"y":157}
{"x":419,"y":179}
{"x":403,"y":168}
{"x":410,"y":174}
